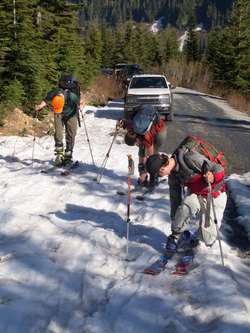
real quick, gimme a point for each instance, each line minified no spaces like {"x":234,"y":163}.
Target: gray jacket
{"x":189,"y":172}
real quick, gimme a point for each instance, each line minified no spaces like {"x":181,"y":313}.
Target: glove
{"x":121,"y":123}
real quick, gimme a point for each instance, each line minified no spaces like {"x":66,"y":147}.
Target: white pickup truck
{"x":151,"y":89}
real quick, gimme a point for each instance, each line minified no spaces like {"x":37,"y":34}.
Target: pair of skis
{"x":143,"y":196}
{"x":63,"y":173}
{"x":186,"y":252}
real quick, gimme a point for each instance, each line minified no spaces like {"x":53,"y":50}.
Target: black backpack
{"x":69,"y":84}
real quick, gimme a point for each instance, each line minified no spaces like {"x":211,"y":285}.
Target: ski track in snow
{"x":63,"y":248}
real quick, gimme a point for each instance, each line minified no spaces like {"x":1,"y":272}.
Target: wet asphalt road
{"x":223,"y":127}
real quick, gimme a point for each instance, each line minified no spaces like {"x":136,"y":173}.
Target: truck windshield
{"x":148,"y":82}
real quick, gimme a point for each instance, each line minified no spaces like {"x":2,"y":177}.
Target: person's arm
{"x":175,"y":191}
{"x":150,"y":150}
{"x":41,"y":105}
{"x":82,"y":105}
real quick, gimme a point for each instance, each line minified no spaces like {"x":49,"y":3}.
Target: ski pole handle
{"x":130,"y":165}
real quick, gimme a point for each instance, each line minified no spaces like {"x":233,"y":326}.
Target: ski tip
{"x":120,"y":192}
{"x":179,"y":273}
{"x":150,"y":271}
{"x":128,"y":260}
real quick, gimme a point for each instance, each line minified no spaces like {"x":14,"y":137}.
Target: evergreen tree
{"x":94,"y":47}
{"x":154,"y":55}
{"x":39,"y":39}
{"x":129,"y":43}
{"x":141,"y":46}
{"x":107,"y":51}
{"x":171,"y":49}
{"x":228,"y":50}
{"x":191,"y":47}
{"x":239,"y":34}
{"x":216,"y":55}
{"x":18,"y":79}
{"x":119,"y":45}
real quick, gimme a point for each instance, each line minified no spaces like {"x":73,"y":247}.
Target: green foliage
{"x":40,"y":42}
{"x":108,"y":46}
{"x":176,"y":12}
{"x":12,"y":95}
{"x":129,"y":52}
{"x":171,"y":49}
{"x":228,"y":50}
{"x":94,"y":46}
{"x":191,"y":47}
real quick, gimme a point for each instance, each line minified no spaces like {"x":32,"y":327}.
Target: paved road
{"x":213,"y":120}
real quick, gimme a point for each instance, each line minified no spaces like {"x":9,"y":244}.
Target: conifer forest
{"x":41,"y":40}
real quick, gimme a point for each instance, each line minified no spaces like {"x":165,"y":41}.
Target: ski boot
{"x":59,"y":154}
{"x":175,"y":240}
{"x":68,"y":157}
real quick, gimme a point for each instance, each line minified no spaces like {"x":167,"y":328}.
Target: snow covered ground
{"x":183,"y":38}
{"x":63,"y":246}
{"x":157,"y":25}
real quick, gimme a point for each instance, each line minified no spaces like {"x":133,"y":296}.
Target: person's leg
{"x":188,"y":209}
{"x":208,"y":234}
{"x":142,"y":179}
{"x":58,"y":137}
{"x":71,"y":129}
{"x":160,"y":139}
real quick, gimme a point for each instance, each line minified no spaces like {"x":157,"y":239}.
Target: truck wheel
{"x":170,"y":117}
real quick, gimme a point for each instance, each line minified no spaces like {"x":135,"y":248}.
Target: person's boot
{"x":143,"y":178}
{"x":68,"y":157}
{"x":59,"y":154}
{"x":171,"y":245}
{"x":153,"y":183}
{"x":177,"y":240}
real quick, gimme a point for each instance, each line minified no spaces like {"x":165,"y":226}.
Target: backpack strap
{"x":69,"y":102}
{"x":153,"y":120}
{"x":181,"y":157}
{"x":56,"y":92}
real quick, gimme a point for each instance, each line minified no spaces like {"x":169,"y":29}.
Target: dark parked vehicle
{"x":127,"y":74}
{"x":107,"y":72}
{"x":118,"y":69}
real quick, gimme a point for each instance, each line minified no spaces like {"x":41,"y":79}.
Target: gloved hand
{"x":120,"y":123}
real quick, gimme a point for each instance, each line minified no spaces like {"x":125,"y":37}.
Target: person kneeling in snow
{"x":187,"y":168}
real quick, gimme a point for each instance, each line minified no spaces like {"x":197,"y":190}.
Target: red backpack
{"x":204,"y":148}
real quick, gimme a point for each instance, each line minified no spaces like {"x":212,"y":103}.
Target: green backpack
{"x":207,"y":150}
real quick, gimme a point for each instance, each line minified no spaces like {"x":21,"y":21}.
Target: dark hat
{"x":153,"y":164}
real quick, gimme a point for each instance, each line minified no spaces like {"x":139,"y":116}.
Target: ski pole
{"x":216,"y":223}
{"x":33,"y":150}
{"x":130,"y":172}
{"x":100,"y":173}
{"x":87,"y":138}
{"x":206,"y":168}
